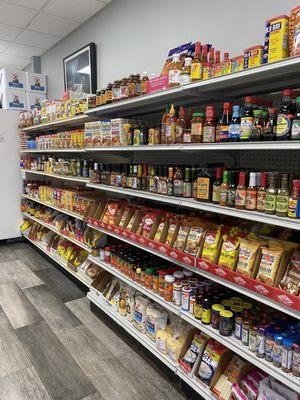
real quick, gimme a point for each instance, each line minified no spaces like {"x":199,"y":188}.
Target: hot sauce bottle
{"x":170,"y":125}
{"x":170,"y":182}
{"x":187,"y":183}
{"x":294,"y":200}
{"x":180,"y":126}
{"x":224,"y":134}
{"x":209,"y":130}
{"x":224,"y":189}
{"x":285,"y":116}
{"x":261,"y":194}
{"x":217,"y":187}
{"x":197,"y":125}
{"x":196,"y":66}
{"x":231,"y":190}
{"x":204,"y":186}
{"x":164,"y":126}
{"x":208,"y":62}
{"x":282,"y":201}
{"x":251,"y":194}
{"x":217,"y":67}
{"x":271,"y":196}
{"x":247,"y":119}
{"x":240,"y":193}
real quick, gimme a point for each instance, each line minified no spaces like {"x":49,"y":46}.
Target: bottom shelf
{"x":146,"y":342}
{"x":81,"y":276}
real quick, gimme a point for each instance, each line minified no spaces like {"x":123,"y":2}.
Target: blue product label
{"x":234,"y":131}
{"x":298,"y":209}
{"x":138,"y":317}
{"x":17,"y":85}
{"x":150,"y":327}
{"x":37,"y":88}
{"x":16,"y":104}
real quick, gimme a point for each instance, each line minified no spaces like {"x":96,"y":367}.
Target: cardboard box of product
{"x":12,"y":99}
{"x":36,"y":82}
{"x":276,"y":44}
{"x":34,"y":100}
{"x":11,"y":78}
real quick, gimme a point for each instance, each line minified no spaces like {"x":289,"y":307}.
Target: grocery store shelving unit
{"x":52,"y":151}
{"x":196,"y":205}
{"x":215,"y":278}
{"x":231,"y":342}
{"x":78,"y":275}
{"x":53,"y":229}
{"x":61,"y":177}
{"x":271,"y":77}
{"x":62,"y":210}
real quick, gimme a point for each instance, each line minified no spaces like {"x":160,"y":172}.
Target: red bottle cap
{"x":218,"y":173}
{"x":242,"y":178}
{"x":287,"y":92}
{"x":264,"y":177}
{"x":226,"y":56}
{"x":210,"y":112}
{"x":181,"y":112}
{"x":296,"y":185}
{"x":249,"y":99}
{"x":226,"y":106}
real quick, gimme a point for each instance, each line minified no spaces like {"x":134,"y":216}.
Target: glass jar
{"x":168,"y":294}
{"x":260,"y":342}
{"x":155,"y":282}
{"x":296,"y":360}
{"x":287,"y":354}
{"x":245,"y":332}
{"x":269,"y":345}
{"x":149,"y":278}
{"x":215,"y":315}
{"x":225,"y":326}
{"x":197,"y":124}
{"x":161,"y":282}
{"x":253,"y":338}
{"x":277,"y":350}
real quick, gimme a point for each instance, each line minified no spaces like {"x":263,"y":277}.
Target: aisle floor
{"x":53,"y":347}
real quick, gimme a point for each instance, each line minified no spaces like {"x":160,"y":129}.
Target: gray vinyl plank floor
{"x":51,"y":308}
{"x":57,"y":369}
{"x":52,"y":347}
{"x":59,"y":284}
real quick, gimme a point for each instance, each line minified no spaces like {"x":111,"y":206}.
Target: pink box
{"x":157,"y":84}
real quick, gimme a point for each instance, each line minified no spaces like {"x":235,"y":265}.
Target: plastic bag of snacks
{"x":291,"y":280}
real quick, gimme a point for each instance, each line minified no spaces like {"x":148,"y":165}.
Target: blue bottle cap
{"x":278,"y":338}
{"x":288,"y":343}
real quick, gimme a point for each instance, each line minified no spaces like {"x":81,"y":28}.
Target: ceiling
{"x":30,"y":27}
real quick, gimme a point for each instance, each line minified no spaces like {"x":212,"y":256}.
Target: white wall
{"x":135,"y":35}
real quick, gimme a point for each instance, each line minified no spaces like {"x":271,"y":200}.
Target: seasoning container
{"x":215,"y":315}
{"x":245,"y":332}
{"x":198,"y":307}
{"x":192,"y":304}
{"x":269,"y":345}
{"x":95,"y":251}
{"x":277,"y":350}
{"x":197,"y":124}
{"x":253,"y":339}
{"x":185,"y":300}
{"x":177,"y":293}
{"x":187,"y":274}
{"x":155,"y":286}
{"x":260,"y":342}
{"x":178,"y":275}
{"x":238,"y":328}
{"x":169,"y":280}
{"x":206,"y":312}
{"x":236,"y":310}
{"x":107,"y":254}
{"x":287,"y":354}
{"x":225,"y":326}
{"x":296,"y":360}
{"x":161,"y":282}
{"x":246,"y":305}
{"x":149,"y":278}
{"x":194,"y":288}
{"x":236,"y":299}
{"x":227,"y":304}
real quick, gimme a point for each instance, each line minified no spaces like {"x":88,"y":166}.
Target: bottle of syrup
{"x":241,"y":191}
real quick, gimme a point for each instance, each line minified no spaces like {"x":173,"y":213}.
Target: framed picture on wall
{"x":80,"y":72}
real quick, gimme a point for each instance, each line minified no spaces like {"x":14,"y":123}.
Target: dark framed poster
{"x":80,"y":72}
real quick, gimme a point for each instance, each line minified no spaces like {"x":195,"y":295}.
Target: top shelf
{"x":269,"y":77}
{"x":68,"y":122}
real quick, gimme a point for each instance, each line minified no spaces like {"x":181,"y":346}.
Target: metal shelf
{"x":285,"y":145}
{"x":190,"y":203}
{"x":62,"y":177}
{"x":273,"y":76}
{"x":231,"y":342}
{"x":215,"y":278}
{"x":25,"y":196}
{"x":78,"y":275}
{"x":78,"y":120}
{"x":128,"y":327}
{"x":52,"y":151}
{"x":49,"y":226}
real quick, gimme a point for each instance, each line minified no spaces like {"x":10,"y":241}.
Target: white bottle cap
{"x":145,"y":73}
{"x":188,"y":61}
{"x":176,"y":57}
{"x":252,"y":180}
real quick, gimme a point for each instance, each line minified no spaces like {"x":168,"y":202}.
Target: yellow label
{"x":203,"y":188}
{"x":292,"y":208}
{"x":206,"y":72}
{"x":196,"y":71}
{"x":276,"y":39}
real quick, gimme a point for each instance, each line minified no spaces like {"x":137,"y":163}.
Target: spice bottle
{"x":224,"y":134}
{"x":178,"y":182}
{"x":271,"y":196}
{"x":247,"y":119}
{"x":196,"y":66}
{"x":204,"y":186}
{"x":185,"y":74}
{"x":224,"y":189}
{"x":235,"y":125}
{"x":170,"y":182}
{"x":240,"y":193}
{"x":277,"y":350}
{"x":231,"y":190}
{"x":245,"y":332}
{"x":287,"y":355}
{"x":269,"y":345}
{"x":174,"y":71}
{"x":260,"y":342}
{"x":180,"y":126}
{"x":144,"y":83}
{"x":251,"y":193}
{"x":177,"y":288}
{"x":284,"y":118}
{"x":294,"y":200}
{"x":261,"y":193}
{"x":216,"y":191}
{"x":164,"y":121}
{"x":296,"y":360}
{"x":209,"y":129}
{"x":282,"y":201}
{"x":197,"y":125}
{"x":185,"y":300}
{"x":238,"y":328}
{"x":168,"y":292}
{"x":170,"y":125}
{"x":253,"y":338}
